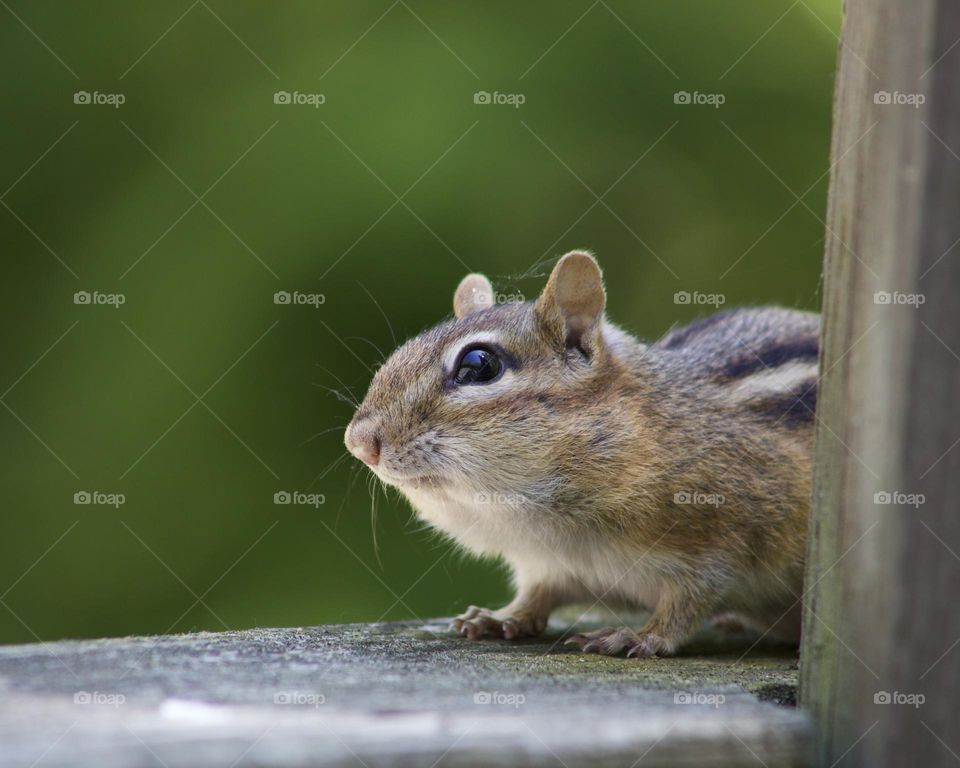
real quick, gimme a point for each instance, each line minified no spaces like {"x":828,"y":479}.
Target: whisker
{"x":322,"y":432}
{"x":338,"y":394}
{"x":340,"y":381}
{"x":384,"y":314}
{"x":372,"y":488}
{"x":333,"y":465}
{"x":361,"y":338}
{"x":354,"y":474}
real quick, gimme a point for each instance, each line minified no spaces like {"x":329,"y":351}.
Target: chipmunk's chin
{"x":409,"y":482}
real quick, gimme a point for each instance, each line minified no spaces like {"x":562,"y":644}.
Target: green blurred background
{"x":99,"y":398}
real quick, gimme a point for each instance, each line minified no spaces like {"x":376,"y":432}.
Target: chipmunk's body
{"x":673,"y":476}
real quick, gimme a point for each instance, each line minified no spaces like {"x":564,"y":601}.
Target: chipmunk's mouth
{"x":417,"y":482}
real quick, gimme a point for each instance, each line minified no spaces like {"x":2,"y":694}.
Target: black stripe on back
{"x":771,"y":356}
{"x":682,"y":336}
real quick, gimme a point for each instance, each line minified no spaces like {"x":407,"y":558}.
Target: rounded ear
{"x":473,"y":294}
{"x":570,"y":309}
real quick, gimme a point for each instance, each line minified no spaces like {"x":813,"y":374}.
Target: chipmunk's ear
{"x":570,"y":309}
{"x":473,"y":294}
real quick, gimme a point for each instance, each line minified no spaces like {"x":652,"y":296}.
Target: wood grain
{"x":882,"y":599}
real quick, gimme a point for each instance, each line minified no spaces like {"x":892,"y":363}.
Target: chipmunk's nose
{"x":363,"y":441}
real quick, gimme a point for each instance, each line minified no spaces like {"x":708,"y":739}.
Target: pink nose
{"x":363,"y":442}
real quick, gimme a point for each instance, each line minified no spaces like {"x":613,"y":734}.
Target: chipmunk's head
{"x":479,"y":404}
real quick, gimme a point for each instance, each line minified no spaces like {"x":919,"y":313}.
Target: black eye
{"x":478,"y":365}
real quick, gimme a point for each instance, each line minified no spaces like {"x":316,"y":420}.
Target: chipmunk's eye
{"x":478,"y":365}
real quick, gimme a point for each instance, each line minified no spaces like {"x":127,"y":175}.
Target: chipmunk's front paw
{"x":612,"y":642}
{"x":481,"y":622}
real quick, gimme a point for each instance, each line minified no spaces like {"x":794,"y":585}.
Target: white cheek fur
{"x":477,"y":392}
{"x":452,"y":353}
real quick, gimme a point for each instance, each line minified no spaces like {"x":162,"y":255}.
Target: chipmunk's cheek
{"x":481,"y":392}
{"x":430,"y":455}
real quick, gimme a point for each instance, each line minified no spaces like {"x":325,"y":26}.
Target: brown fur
{"x":569,"y":466}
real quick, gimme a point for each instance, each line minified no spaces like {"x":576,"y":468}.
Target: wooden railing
{"x":880,"y":664}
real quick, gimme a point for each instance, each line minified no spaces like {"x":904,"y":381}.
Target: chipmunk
{"x":672,"y":476}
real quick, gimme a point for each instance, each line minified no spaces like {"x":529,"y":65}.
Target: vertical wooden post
{"x":880,"y":662}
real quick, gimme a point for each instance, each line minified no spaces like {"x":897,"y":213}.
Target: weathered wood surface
{"x":391,"y":694}
{"x":882,"y":619}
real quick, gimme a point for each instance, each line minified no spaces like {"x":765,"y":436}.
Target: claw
{"x":476,"y":623}
{"x":613,"y":642}
{"x":593,"y":646}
